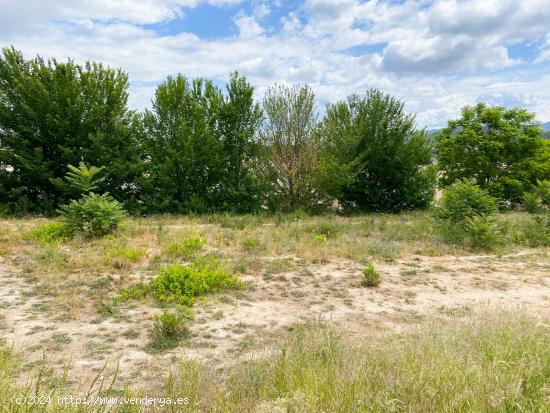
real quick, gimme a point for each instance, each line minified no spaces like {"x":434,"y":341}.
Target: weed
{"x":168,"y":330}
{"x":371,"y":277}
{"x":187,"y":248}
{"x":181,"y":283}
{"x":49,"y":232}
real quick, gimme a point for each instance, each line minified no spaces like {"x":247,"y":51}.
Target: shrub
{"x":93,"y":215}
{"x":464,"y":199}
{"x":168,"y":330}
{"x":251,"y":245}
{"x":537,"y":232}
{"x":49,"y":232}
{"x":532,"y":202}
{"x":181,"y":283}
{"x":371,"y":277}
{"x":483,"y":232}
{"x":543,"y":191}
{"x":187,"y":248}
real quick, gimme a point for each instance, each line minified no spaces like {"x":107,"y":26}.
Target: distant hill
{"x":545,"y":127}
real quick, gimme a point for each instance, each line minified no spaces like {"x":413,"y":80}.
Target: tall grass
{"x":496,"y":365}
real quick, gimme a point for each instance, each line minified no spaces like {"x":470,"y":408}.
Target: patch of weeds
{"x":169,"y":329}
{"x":251,"y":245}
{"x":123,"y":257}
{"x":371,"y":277}
{"x":181,"y":283}
{"x":218,"y":315}
{"x":109,"y":309}
{"x":186,"y":249}
{"x":53,"y":258}
{"x":131,"y":334}
{"x":49,"y":233}
{"x":278,"y":266}
{"x":134,"y":292}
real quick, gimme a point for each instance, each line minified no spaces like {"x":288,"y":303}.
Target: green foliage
{"x":502,"y":150}
{"x":49,"y":232}
{"x":53,"y":114}
{"x":182,"y":283}
{"x":371,"y":277}
{"x":487,"y":364}
{"x":93,"y":215}
{"x":532,"y":203}
{"x":251,"y":245}
{"x":169,"y":329}
{"x":84,"y":179}
{"x":289,"y":161}
{"x":187,"y":248}
{"x":200,"y":145}
{"x":465,"y":199}
{"x":483,"y":232}
{"x":379,"y":159}
{"x":537,"y":231}
{"x":538,"y":198}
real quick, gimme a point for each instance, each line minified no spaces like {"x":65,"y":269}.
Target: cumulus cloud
{"x":437,"y":55}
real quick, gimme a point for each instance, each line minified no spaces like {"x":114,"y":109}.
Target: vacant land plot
{"x":448,"y":328}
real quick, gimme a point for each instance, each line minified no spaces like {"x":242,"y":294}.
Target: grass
{"x":495,"y":365}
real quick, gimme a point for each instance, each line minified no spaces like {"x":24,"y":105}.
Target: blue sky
{"x":437,"y":55}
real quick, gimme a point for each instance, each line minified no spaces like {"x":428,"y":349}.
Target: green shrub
{"x":93,"y":215}
{"x":371,"y":277}
{"x":532,"y":202}
{"x":542,"y":189}
{"x":465,"y":199}
{"x":186,"y":249}
{"x":483,"y":232}
{"x":251,"y":245}
{"x":49,"y":232}
{"x":537,"y":232}
{"x":181,"y":283}
{"x":168,"y":330}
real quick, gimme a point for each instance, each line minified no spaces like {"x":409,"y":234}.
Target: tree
{"x":53,"y":114}
{"x":502,"y":150}
{"x":182,"y":152}
{"x":290,"y":158}
{"x":385,"y":161}
{"x":239,"y":120}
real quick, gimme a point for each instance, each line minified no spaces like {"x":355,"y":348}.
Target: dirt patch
{"x":237,"y":324}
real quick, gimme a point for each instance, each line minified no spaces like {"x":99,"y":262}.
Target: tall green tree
{"x":501,"y":149}
{"x":239,"y":120}
{"x":53,"y":114}
{"x":385,"y":161}
{"x":199,"y":145}
{"x":290,"y":160}
{"x":183,"y":154}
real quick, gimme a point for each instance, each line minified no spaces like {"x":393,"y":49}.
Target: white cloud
{"x":437,"y":57}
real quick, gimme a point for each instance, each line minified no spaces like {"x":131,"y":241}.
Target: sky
{"x":436,"y":55}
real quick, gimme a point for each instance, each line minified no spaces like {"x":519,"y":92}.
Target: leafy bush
{"x":187,"y":248}
{"x":483,"y":232}
{"x":93,"y":215}
{"x":537,"y":232}
{"x":532,"y":202}
{"x":181,"y":283}
{"x":49,"y":232}
{"x":464,"y":199}
{"x":251,"y":245}
{"x":371,"y":277}
{"x":168,"y":330}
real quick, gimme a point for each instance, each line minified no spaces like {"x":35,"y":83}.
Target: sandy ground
{"x":244,"y":323}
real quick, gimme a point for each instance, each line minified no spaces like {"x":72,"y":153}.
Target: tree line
{"x":203,"y":149}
